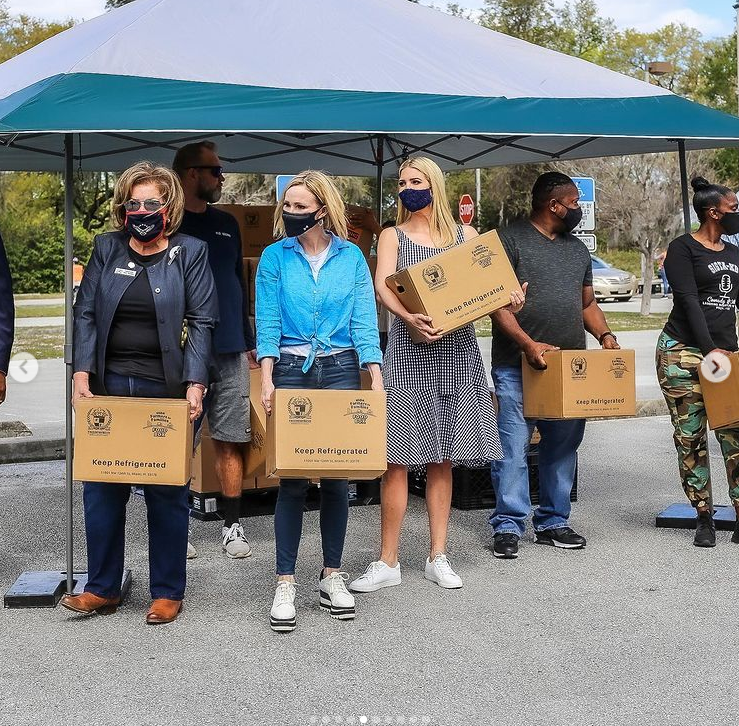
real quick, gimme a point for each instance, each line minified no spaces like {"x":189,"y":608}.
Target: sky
{"x":711,"y":17}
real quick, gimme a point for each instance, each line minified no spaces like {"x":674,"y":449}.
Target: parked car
{"x":656,"y":286}
{"x":610,"y":282}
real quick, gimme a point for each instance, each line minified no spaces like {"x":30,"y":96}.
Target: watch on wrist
{"x":605,"y":335}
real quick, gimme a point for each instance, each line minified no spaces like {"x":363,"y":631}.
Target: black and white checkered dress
{"x":439,"y":404}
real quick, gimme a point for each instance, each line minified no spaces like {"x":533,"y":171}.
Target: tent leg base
{"x":44,"y":588}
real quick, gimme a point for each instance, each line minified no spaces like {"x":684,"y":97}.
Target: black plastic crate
{"x":473,"y":489}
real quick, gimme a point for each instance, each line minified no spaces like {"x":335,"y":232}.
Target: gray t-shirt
{"x":556,"y":270}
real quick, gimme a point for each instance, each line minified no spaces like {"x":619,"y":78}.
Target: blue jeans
{"x":339,"y":371}
{"x":557,"y":461}
{"x":167,"y":515}
{"x":665,"y":285}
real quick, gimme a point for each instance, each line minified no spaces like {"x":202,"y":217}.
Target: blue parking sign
{"x":281,"y":181}
{"x":586,"y":186}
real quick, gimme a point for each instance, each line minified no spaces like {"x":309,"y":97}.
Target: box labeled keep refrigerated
{"x":462,"y":284}
{"x":329,"y":433}
{"x":581,"y":384}
{"x":255,"y":226}
{"x":133,"y":440}
{"x":721,"y":398}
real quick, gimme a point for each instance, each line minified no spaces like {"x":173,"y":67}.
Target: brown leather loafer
{"x":163,"y":611}
{"x":88,"y":603}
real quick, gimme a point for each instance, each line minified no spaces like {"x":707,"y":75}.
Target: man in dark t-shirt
{"x":560,"y":306}
{"x":227,"y":403}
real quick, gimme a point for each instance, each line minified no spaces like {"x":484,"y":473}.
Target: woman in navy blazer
{"x":143,"y":322}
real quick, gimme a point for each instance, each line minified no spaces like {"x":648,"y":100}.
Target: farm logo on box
{"x":434,"y":277}
{"x":160,"y":424}
{"x":618,"y":367}
{"x":579,"y":367}
{"x":360,"y":411}
{"x":482,"y":255}
{"x":257,"y":440}
{"x":300,"y":409}
{"x":99,"y":421}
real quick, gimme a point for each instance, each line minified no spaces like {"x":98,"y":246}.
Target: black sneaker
{"x":735,"y":536}
{"x":705,"y":530}
{"x":506,"y":545}
{"x":564,"y":537}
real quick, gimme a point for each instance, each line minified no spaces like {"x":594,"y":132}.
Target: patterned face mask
{"x":415,"y":199}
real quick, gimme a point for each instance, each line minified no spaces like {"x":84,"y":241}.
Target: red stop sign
{"x":466,"y":209}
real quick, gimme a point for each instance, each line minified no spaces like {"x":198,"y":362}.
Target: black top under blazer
{"x":183,"y":289}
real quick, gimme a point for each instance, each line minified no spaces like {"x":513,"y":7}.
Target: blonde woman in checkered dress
{"x":440,"y":412}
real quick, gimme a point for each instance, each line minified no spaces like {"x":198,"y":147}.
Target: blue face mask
{"x":415,"y":199}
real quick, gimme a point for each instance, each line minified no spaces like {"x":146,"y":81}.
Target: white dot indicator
{"x":715,"y":367}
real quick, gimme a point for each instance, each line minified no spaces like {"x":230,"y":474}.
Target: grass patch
{"x":38,"y":296}
{"x":619,"y":322}
{"x":44,"y":342}
{"x":39,"y":311}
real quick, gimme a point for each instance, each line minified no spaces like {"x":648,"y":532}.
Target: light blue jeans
{"x":557,"y":461}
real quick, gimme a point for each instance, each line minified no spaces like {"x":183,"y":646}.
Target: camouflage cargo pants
{"x":677,"y":372}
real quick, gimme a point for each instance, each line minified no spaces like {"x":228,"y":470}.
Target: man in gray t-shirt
{"x":560,"y":306}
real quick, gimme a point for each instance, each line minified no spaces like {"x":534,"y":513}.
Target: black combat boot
{"x":705,"y":531}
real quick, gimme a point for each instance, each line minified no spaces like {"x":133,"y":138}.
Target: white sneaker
{"x":377,"y":576}
{"x":335,"y":597}
{"x":192,"y":553}
{"x":441,"y":572}
{"x":282,"y":614}
{"x":234,"y":541}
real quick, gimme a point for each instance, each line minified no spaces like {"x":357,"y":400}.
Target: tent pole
{"x":68,"y":252}
{"x":380,"y":164}
{"x":684,"y":185}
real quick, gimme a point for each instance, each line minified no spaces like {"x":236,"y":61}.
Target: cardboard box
{"x":329,"y":433}
{"x":458,"y":286}
{"x":256,"y":224}
{"x":204,"y":479}
{"x":250,"y":276}
{"x":361,"y":237}
{"x":123,"y":440}
{"x":581,"y":384}
{"x":256,"y":450}
{"x":722,"y":399}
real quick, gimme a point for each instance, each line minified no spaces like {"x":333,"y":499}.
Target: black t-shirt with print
{"x":704,"y":286}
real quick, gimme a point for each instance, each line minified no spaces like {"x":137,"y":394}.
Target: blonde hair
{"x":443,"y":228}
{"x":166,"y":182}
{"x":324,"y":190}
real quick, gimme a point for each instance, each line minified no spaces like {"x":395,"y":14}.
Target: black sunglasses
{"x":216,"y":171}
{"x":150,"y":205}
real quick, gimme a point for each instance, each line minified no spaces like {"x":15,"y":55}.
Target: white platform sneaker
{"x":282,"y":614}
{"x":235,"y":544}
{"x":440,"y":571}
{"x":192,"y":553}
{"x":376,"y":576}
{"x":335,"y":598}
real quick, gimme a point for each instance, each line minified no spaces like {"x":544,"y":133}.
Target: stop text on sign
{"x":466,"y":209}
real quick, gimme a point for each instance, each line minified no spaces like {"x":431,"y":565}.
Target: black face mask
{"x":572,"y":218}
{"x":730,"y":223}
{"x":145,"y":228}
{"x":297,"y":224}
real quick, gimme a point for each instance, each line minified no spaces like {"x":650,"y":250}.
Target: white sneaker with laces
{"x":376,"y":576}
{"x":234,"y":541}
{"x":192,"y":553}
{"x":440,"y":571}
{"x":335,"y":597}
{"x":282,"y":614}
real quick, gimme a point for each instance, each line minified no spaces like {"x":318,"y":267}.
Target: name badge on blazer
{"x":123,"y":271}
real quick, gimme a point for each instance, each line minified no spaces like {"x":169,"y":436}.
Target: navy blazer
{"x":183,"y":289}
{"x":7,"y":310}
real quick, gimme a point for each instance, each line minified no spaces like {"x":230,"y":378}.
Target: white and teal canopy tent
{"x":283,"y":85}
{"x":350,"y":87}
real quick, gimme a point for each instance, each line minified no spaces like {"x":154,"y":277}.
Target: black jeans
{"x":339,"y":371}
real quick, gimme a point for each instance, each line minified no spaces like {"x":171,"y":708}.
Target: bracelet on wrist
{"x":605,"y":335}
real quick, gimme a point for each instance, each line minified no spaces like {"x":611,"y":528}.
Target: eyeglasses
{"x":150,"y":205}
{"x":216,"y":171}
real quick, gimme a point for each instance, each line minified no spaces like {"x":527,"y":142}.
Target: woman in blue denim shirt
{"x":316,"y":325}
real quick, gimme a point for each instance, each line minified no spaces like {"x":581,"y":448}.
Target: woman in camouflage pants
{"x":703,"y":273}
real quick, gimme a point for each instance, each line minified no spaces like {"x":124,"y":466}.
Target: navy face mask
{"x":145,"y":228}
{"x":415,"y":199}
{"x":297,"y":224}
